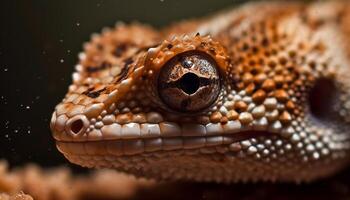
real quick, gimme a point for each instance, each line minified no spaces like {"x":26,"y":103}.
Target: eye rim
{"x":213,"y":63}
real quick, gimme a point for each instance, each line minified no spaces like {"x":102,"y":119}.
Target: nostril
{"x":76,"y":126}
{"x":322,"y":98}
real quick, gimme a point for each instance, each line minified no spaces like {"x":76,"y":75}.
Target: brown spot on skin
{"x":290,"y":105}
{"x":93,"y":94}
{"x":260,"y":78}
{"x":283,"y":60}
{"x":240,"y":85}
{"x":272,"y":64}
{"x":289,"y":79}
{"x":224,"y":120}
{"x":91,"y":69}
{"x":169,"y":46}
{"x":125,"y":70}
{"x":259,"y":96}
{"x":281,"y":95}
{"x":88,"y":90}
{"x":232,"y":115}
{"x":99,"y":47}
{"x":292,"y":54}
{"x":247,"y":78}
{"x":215,"y":117}
{"x":250,"y":88}
{"x":241,"y":106}
{"x":120,"y":49}
{"x":268,"y":85}
{"x":278,"y":80}
{"x":285,"y":117}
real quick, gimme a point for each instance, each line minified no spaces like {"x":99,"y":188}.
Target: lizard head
{"x":262,"y":106}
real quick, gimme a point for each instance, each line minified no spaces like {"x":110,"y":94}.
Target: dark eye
{"x":322,"y":98}
{"x":189,"y":82}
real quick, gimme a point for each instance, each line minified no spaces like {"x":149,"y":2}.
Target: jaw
{"x":242,"y":156}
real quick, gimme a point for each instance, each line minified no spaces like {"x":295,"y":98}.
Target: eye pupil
{"x":189,"y":83}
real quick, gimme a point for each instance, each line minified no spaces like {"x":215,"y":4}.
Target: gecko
{"x":256,"y":93}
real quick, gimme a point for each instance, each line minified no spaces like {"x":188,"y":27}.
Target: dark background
{"x":39,"y":43}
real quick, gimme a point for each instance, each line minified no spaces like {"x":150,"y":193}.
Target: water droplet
{"x":6,"y":69}
{"x":62,"y":61}
{"x":78,"y":24}
{"x":27,"y":107}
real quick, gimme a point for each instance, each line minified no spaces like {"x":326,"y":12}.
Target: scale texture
{"x":258,"y":93}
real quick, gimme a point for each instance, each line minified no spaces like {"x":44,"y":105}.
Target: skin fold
{"x":258,"y":93}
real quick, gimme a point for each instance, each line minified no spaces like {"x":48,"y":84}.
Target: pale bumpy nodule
{"x":256,"y":93}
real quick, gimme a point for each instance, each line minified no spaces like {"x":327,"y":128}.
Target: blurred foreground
{"x":62,"y":184}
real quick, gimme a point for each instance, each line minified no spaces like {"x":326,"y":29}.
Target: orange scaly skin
{"x":256,"y":93}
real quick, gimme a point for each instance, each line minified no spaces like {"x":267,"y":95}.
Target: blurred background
{"x":39,"y":43}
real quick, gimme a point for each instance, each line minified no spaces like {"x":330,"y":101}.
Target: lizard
{"x":257,"y":93}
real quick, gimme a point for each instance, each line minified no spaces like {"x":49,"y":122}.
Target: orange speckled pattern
{"x":279,"y":112}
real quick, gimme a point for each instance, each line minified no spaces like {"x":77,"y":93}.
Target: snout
{"x":64,"y":128}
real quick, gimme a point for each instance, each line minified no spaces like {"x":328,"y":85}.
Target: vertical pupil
{"x":189,"y":83}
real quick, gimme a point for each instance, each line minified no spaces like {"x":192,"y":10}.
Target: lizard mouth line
{"x":121,"y":147}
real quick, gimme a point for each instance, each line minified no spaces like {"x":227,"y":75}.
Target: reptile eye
{"x":322,"y":98}
{"x":189,"y":82}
